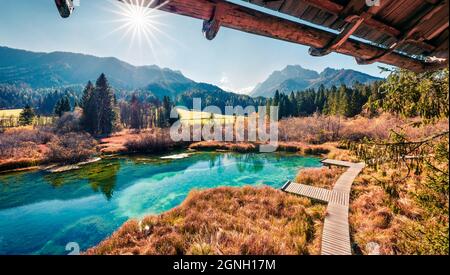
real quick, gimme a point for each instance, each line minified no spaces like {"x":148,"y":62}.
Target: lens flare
{"x":138,"y":20}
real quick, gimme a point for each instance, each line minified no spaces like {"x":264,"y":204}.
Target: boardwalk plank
{"x":336,"y":231}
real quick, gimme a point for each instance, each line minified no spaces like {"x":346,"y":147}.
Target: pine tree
{"x":62,"y":106}
{"x":89,"y":120}
{"x":87,"y":93}
{"x":105,"y":112}
{"x":292,"y":105}
{"x":135,"y":113}
{"x":98,"y":107}
{"x":276,"y":98}
{"x":166,"y":109}
{"x":27,"y":115}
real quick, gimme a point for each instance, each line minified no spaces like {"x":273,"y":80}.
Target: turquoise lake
{"x":40,"y":212}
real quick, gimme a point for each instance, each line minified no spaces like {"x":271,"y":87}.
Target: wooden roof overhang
{"x":411,"y":34}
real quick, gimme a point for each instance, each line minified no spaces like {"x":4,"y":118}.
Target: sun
{"x":137,"y":17}
{"x":138,"y":20}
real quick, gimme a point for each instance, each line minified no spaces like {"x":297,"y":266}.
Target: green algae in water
{"x":41,"y":212}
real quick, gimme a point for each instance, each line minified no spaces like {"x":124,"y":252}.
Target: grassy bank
{"x":250,"y":147}
{"x":320,"y":177}
{"x":24,"y":147}
{"x":224,"y":221}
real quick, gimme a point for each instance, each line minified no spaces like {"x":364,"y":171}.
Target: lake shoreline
{"x":19,"y":165}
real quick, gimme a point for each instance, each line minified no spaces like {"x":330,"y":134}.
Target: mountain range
{"x":59,"y":69}
{"x":297,"y":78}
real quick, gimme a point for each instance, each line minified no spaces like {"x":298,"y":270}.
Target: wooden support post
{"x":211,"y":27}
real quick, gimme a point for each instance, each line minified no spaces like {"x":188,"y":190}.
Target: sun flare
{"x":137,"y":17}
{"x":138,"y":20}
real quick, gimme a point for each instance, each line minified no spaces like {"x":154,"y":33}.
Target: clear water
{"x":41,"y":212}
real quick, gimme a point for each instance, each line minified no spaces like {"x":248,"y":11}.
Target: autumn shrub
{"x":314,"y":129}
{"x":224,"y":221}
{"x":153,"y":141}
{"x":70,"y":148}
{"x":23,"y":143}
{"x":320,"y":129}
{"x":69,"y":122}
{"x":289,"y":147}
{"x":315,"y":151}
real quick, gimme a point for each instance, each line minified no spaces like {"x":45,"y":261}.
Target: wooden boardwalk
{"x":336,"y":232}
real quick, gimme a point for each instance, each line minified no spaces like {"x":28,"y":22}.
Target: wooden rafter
{"x":256,"y":22}
{"x":354,"y":22}
{"x":407,"y":37}
{"x":339,"y":39}
{"x":348,"y":13}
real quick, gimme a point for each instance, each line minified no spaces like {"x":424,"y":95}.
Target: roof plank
{"x":257,"y":22}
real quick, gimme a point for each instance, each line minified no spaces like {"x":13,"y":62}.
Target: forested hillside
{"x":297,"y":78}
{"x":343,"y":100}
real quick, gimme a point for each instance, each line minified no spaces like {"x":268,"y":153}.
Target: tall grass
{"x":225,"y":221}
{"x":385,"y":211}
{"x":319,"y":177}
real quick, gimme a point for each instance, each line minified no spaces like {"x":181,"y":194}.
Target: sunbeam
{"x":138,"y":20}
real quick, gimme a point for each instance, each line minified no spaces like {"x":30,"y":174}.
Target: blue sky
{"x":235,"y":60}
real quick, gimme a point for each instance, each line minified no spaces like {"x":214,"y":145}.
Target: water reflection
{"x":250,"y":162}
{"x":101,"y":176}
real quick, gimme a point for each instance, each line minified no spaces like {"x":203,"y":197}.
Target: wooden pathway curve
{"x":336,"y":232}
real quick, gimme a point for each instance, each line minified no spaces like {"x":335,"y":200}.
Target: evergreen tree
{"x":98,"y":107}
{"x":166,"y":109}
{"x":87,"y":93}
{"x":62,"y":106}
{"x":105,"y":99}
{"x":27,"y":115}
{"x":276,"y":99}
{"x":344,"y":101}
{"x":135,"y":113}
{"x":292,"y":105}
{"x":89,"y":119}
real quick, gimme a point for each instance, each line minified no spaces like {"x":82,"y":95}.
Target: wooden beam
{"x":256,"y":22}
{"x":339,"y":39}
{"x":407,"y":37}
{"x":326,"y":5}
{"x":348,"y":14}
{"x":438,"y":30}
{"x":382,"y":27}
{"x":211,"y":27}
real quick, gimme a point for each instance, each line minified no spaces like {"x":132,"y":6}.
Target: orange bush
{"x":320,"y":129}
{"x":70,"y":148}
{"x":155,"y":140}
